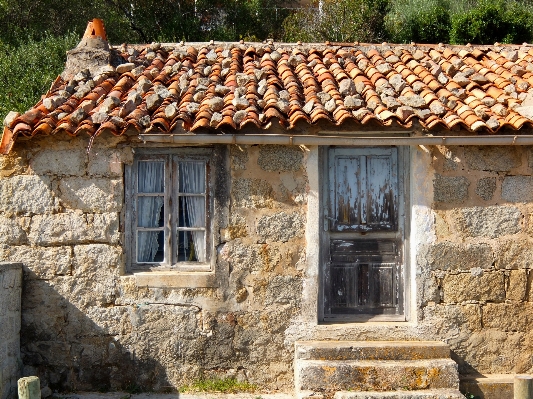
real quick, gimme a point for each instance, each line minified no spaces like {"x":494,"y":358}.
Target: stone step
{"x":488,"y":386}
{"x":371,"y":350}
{"x":426,"y":394}
{"x":375,"y":375}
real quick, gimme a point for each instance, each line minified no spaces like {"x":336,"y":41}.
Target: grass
{"x":225,"y":385}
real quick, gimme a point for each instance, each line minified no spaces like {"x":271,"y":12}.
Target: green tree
{"x":421,"y":21}
{"x":338,"y":21}
{"x":27,"y":70}
{"x":493,"y":21}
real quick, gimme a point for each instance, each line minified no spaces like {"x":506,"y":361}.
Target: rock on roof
{"x":208,"y":86}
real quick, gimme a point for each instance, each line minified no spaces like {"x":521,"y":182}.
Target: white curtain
{"x":192,"y":180}
{"x":151,"y":180}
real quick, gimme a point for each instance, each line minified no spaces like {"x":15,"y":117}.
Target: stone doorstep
{"x":125,"y":395}
{"x":371,"y":350}
{"x":488,"y":386}
{"x":427,"y":394}
{"x":364,"y":375}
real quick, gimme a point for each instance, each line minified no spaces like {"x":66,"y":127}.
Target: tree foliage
{"x":421,"y":21}
{"x":27,"y":70}
{"x":338,"y":21}
{"x":493,"y":21}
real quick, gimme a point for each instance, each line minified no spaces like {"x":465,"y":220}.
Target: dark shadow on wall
{"x":70,"y":352}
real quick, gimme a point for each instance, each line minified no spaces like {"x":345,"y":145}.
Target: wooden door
{"x":363,"y":234}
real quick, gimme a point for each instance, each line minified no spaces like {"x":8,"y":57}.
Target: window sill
{"x":174,"y":279}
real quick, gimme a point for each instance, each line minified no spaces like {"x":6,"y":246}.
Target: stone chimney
{"x":91,"y":53}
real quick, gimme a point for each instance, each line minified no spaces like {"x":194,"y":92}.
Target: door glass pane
{"x":150,"y":246}
{"x":150,"y":212}
{"x":347,"y":191}
{"x":151,"y":177}
{"x":381,"y":199}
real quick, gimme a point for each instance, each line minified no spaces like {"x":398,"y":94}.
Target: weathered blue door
{"x":364,"y":233}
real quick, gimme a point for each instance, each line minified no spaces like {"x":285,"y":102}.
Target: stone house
{"x":192,"y":210}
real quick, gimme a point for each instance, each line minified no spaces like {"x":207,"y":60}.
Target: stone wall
{"x":89,"y":325}
{"x":478,"y":268}
{"x":10,"y":294}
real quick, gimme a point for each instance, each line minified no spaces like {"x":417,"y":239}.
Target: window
{"x":362,"y":243}
{"x":169,"y":208}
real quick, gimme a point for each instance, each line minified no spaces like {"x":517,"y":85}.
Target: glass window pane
{"x":150,"y":212}
{"x":191,"y":246}
{"x":150,"y":246}
{"x":191,"y":211}
{"x":151,"y":177}
{"x":192,"y":177}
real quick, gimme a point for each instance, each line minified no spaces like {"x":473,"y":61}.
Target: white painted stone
{"x":91,"y":194}
{"x":27,"y":194}
{"x":74,"y":228}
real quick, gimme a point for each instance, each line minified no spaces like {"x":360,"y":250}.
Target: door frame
{"x":324,"y":237}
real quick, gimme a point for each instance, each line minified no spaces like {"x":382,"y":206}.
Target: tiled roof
{"x":159,"y":88}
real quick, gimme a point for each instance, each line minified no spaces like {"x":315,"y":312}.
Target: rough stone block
{"x":108,"y":162}
{"x":281,"y":226}
{"x":450,"y":189}
{"x":27,"y":195}
{"x":239,"y":157}
{"x":465,"y":317}
{"x":492,"y":158}
{"x":243,"y":257}
{"x":508,"y":317}
{"x":40,"y":262}
{"x":489,"y":286}
{"x":283,"y":290}
{"x":485,"y":187}
{"x":514,"y":254}
{"x":517,"y":285}
{"x":59,"y":162}
{"x":452,"y":256}
{"x":490,"y":221}
{"x":109,"y":321}
{"x":274,"y":158}
{"x":97,"y":261}
{"x":92,"y":194}
{"x":74,"y":228}
{"x":10,"y":232}
{"x":517,"y":188}
{"x":252,"y":193}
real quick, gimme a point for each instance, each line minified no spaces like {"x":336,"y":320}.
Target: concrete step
{"x":371,"y":350}
{"x":488,"y":386}
{"x":427,"y":394}
{"x":375,"y":375}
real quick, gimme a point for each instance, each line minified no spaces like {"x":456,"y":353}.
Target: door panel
{"x":363,"y":234}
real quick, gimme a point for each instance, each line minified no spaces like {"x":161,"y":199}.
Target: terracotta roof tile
{"x":258,"y":84}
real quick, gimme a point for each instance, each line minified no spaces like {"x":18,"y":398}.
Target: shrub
{"x":337,"y":21}
{"x":421,"y":21}
{"x":27,"y":70}
{"x":494,"y":21}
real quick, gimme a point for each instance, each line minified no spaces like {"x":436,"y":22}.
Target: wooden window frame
{"x":171,"y":157}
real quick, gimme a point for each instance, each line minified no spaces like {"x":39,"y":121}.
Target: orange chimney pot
{"x":95,"y":28}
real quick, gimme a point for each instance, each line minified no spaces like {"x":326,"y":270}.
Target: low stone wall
{"x":10,"y":294}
